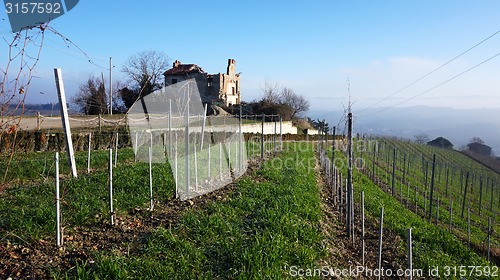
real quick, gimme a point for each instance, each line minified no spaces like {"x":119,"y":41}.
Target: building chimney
{"x":176,"y":64}
{"x":231,"y":70}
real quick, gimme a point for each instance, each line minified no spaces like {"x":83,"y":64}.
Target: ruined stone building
{"x":216,"y":89}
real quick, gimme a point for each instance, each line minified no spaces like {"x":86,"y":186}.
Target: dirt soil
{"x":25,"y":260}
{"x":343,"y":253}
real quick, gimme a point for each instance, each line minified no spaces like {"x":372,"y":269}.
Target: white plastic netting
{"x":204,"y":152}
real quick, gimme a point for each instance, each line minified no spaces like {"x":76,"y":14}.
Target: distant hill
{"x":47,"y":109}
{"x":457,"y":125}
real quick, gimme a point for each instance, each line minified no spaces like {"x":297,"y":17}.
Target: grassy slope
{"x":432,"y":245}
{"x":268,"y":223}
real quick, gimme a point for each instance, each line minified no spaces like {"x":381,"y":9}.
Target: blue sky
{"x":313,"y":47}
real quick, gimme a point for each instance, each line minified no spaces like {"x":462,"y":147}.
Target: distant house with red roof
{"x":214,"y":88}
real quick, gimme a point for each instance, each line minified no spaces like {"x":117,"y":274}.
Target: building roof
{"x":181,"y":69}
{"x":478,"y":145}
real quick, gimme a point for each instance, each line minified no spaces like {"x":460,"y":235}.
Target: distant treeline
{"x":32,"y":109}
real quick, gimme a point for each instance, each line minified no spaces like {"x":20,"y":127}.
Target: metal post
{"x":186,"y":146}
{"x":410,"y":255}
{"x":220,"y":161}
{"x":170,"y":125}
{"x":111,"y":212}
{"x":349,"y":201}
{"x":88,"y":156}
{"x":136,"y":145}
{"x":281,"y":133}
{"x":451,"y":214}
{"x":262,"y":139}
{"x":110,"y":87}
{"x":363,"y":227}
{"x":432,"y":185}
{"x":380,"y":240}
{"x":195,"y":169}
{"x":209,"y":161}
{"x":65,"y":121}
{"x":150,"y":156}
{"x":58,"y":203}
{"x":468,"y":227}
{"x":489,"y":238}
{"x":393,"y":181}
{"x":465,"y":193}
{"x":275,"y":132}
{"x":116,"y":149}
{"x":240,"y":144}
{"x":176,"y":170}
{"x":203,"y":128}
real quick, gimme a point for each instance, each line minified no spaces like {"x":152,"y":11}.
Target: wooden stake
{"x":65,"y":121}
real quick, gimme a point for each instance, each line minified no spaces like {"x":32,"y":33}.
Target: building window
{"x":234,"y":90}
{"x":210,"y":81}
{"x":174,"y":81}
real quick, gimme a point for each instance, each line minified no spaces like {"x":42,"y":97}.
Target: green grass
{"x":265,"y":226}
{"x":447,"y":161}
{"x":27,"y":212}
{"x":433,"y":245}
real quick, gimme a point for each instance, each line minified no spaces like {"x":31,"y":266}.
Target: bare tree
{"x":477,"y":140}
{"x":296,"y":101}
{"x":421,"y":138}
{"x":91,"y":97}
{"x":146,"y":69}
{"x":271,"y":92}
{"x":281,"y":100}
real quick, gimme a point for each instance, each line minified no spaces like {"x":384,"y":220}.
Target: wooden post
{"x":65,"y":121}
{"x":38,"y":122}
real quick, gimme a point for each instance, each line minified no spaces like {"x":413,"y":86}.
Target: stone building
{"x":216,"y":89}
{"x":480,"y":149}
